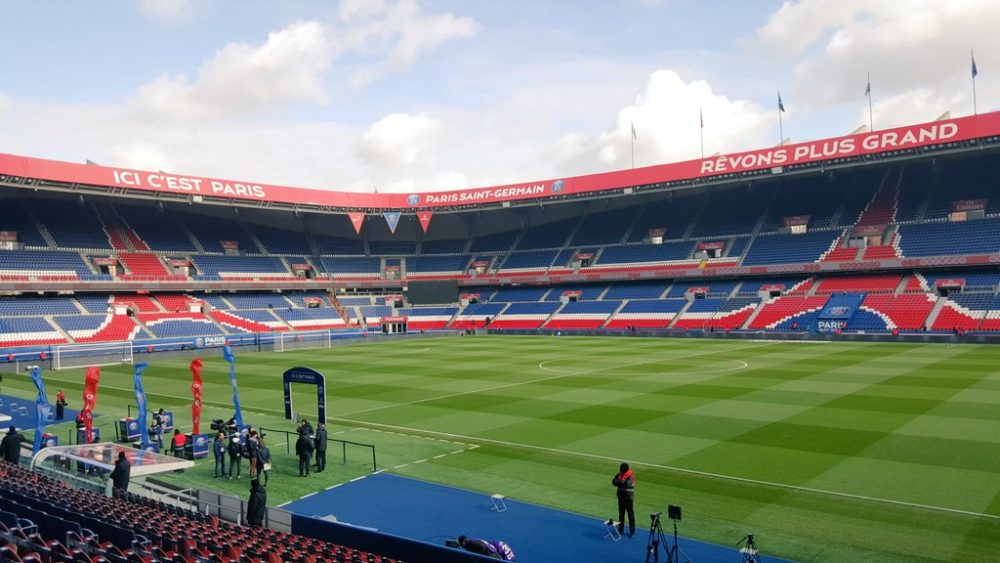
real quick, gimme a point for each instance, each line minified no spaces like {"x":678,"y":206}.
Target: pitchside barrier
{"x":291,"y":437}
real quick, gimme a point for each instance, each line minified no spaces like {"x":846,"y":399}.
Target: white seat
{"x":611,"y":530}
{"x":499,"y":502}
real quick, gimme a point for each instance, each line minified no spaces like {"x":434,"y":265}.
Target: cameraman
{"x":624,"y":483}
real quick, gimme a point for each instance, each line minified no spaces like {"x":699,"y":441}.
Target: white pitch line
{"x":786,"y":486}
{"x":744,"y":365}
{"x":543,"y":380}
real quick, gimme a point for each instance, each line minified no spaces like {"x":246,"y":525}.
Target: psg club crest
{"x":839,"y":311}
{"x":413,"y":199}
{"x":558,"y":186}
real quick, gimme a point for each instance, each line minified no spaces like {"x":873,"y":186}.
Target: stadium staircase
{"x":677,"y":317}
{"x":932,"y":317}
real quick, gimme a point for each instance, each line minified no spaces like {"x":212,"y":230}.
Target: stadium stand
{"x":646,"y":313}
{"x":475,"y":315}
{"x":788,"y":312}
{"x":428,"y":318}
{"x":582,"y":315}
{"x":524,"y":315}
{"x":46,"y":520}
{"x":97,"y":328}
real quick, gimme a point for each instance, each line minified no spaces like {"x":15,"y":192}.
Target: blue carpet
{"x":433,"y":513}
{"x":14,"y":406}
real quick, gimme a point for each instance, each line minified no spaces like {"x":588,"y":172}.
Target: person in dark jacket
{"x":60,"y":404}
{"x":624,"y":483}
{"x":263,"y":459}
{"x":304,"y":449}
{"x":219,"y":449}
{"x":120,"y":475}
{"x":321,"y":447}
{"x":234,"y":456}
{"x":10,"y":447}
{"x":257,"y":505}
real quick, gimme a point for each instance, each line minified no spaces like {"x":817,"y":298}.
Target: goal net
{"x":81,"y":355}
{"x":301,"y":340}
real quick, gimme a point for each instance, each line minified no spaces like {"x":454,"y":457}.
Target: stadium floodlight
{"x":302,"y":340}
{"x":70,"y":356}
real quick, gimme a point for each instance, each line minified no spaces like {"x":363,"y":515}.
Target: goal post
{"x":302,"y":340}
{"x":70,"y":356}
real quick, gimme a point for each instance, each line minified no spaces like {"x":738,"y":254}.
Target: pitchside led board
{"x":308,"y":376}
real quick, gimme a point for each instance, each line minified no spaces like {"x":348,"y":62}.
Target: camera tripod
{"x":657,"y":538}
{"x":749,"y":551}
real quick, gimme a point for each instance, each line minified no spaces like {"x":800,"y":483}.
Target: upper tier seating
{"x":311,"y":318}
{"x":303,"y":298}
{"x":731,"y":212}
{"x":603,"y":228}
{"x":973,"y":279}
{"x":14,"y":218}
{"x":392,"y":247}
{"x":233,"y":266}
{"x":509,"y":294}
{"x":673,"y":214}
{"x":339,"y":246}
{"x":497,"y":242}
{"x":210,"y":232}
{"x":789,"y":249}
{"x":144,"y":264}
{"x":170,"y":325}
{"x":41,"y":263}
{"x":216,"y":301}
{"x":99,"y":328}
{"x":949,"y":238}
{"x":443,"y":246}
{"x":715,"y":287}
{"x":159,"y":229}
{"x":529,"y":260}
{"x":281,"y":241}
{"x":352,"y":267}
{"x":646,"y":253}
{"x":820,"y":204}
{"x":567,"y":255}
{"x":754,"y":285}
{"x":452,"y":264}
{"x":141,"y":303}
{"x":71,"y":225}
{"x":739,"y":246}
{"x":549,"y":235}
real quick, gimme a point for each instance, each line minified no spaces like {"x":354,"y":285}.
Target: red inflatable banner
{"x":196,"y":366}
{"x":92,"y":378}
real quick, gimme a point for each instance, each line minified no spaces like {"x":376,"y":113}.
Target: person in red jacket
{"x":178,"y":443}
{"x":624,"y":483}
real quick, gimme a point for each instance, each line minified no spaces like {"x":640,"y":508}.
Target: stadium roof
{"x":27,"y":172}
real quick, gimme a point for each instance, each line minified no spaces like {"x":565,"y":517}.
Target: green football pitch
{"x":825,"y":451}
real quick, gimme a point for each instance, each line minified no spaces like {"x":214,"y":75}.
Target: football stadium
{"x":787,"y":353}
{"x":796,"y":343}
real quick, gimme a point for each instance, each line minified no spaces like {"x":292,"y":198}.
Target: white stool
{"x":611,"y":530}
{"x":499,"y":502}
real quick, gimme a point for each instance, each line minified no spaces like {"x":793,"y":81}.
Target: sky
{"x":426,"y":95}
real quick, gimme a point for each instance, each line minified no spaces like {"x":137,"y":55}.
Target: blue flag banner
{"x":140,"y":401}
{"x":392,"y":218}
{"x":975,"y":69}
{"x":227,"y":354}
{"x":781,"y":106}
{"x":42,"y":406}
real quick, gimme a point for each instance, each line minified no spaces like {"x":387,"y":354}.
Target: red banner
{"x":302,"y":267}
{"x":392,"y":268}
{"x":480,"y":263}
{"x":773,"y":287}
{"x":388,"y":320}
{"x":179,"y":262}
{"x":584,"y":255}
{"x":950,"y":283}
{"x":711,"y":245}
{"x":572,"y":293}
{"x":900,"y":138}
{"x":659,"y":232}
{"x":962,"y":205}
{"x":229,"y":244}
{"x":357,"y":220}
{"x":697,"y":290}
{"x":8,"y":236}
{"x":469,"y":296}
{"x":425,"y":219}
{"x":795,"y":220}
{"x":105,"y":262}
{"x":196,"y":366}
{"x":92,"y":378}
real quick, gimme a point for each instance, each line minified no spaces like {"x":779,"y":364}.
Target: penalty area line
{"x":695,"y":472}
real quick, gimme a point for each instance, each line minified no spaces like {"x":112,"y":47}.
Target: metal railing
{"x":343,"y":444}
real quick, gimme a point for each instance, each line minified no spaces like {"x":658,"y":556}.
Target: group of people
{"x":248,"y":444}
{"x":308,"y":443}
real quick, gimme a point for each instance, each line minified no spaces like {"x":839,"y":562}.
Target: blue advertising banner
{"x":227,"y":354}
{"x":140,"y":401}
{"x":42,"y":407}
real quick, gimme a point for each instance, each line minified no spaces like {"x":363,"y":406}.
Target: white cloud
{"x":913,"y":48}
{"x":400,"y":139}
{"x":666,"y":120}
{"x":143,"y":155}
{"x":168,"y":9}
{"x":242,"y":78}
{"x":401,"y":34}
